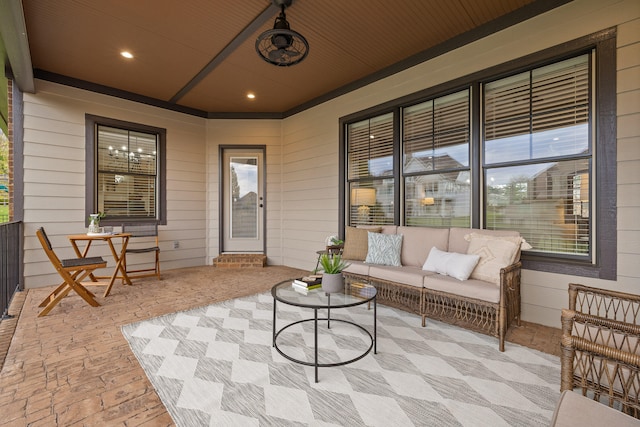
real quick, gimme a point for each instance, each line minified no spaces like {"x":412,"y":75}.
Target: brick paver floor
{"x":73,"y":367}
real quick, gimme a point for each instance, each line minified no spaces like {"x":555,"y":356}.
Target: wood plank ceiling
{"x":79,"y":41}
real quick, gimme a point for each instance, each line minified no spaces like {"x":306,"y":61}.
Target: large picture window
{"x":526,"y":146}
{"x":126,"y":180}
{"x":537,"y":156}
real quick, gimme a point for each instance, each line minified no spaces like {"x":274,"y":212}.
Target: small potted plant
{"x":332,"y":266}
{"x":334,"y":244}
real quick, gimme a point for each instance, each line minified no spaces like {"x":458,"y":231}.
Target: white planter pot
{"x":332,"y":282}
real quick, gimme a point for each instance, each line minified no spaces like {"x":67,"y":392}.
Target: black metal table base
{"x":315,"y":320}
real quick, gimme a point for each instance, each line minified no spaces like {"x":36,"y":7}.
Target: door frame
{"x":222,"y":191}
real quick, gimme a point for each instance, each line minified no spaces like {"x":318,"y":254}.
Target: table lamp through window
{"x":363,"y":198}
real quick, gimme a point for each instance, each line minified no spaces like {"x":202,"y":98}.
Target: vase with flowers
{"x":94,"y":222}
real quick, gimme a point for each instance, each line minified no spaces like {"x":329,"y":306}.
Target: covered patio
{"x":74,"y":367}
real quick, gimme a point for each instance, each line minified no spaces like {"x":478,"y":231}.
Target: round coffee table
{"x":352,"y":295}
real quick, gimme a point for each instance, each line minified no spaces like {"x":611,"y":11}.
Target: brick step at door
{"x":240,"y":260}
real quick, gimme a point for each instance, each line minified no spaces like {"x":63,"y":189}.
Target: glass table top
{"x":352,"y":294}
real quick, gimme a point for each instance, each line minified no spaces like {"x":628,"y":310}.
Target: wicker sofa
{"x":601,"y":347}
{"x":489,"y":306}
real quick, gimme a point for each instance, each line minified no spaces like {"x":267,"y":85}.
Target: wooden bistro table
{"x":118,"y":257}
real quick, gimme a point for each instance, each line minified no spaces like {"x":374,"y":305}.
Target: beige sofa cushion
{"x":573,"y":409}
{"x":389,"y":229}
{"x":418,"y":241}
{"x":356,"y":243}
{"x":411,"y":276}
{"x":357,"y":267}
{"x":472,"y":288}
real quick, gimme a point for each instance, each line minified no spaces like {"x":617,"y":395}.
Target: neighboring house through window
{"x":524,"y":146}
{"x":537,"y":156}
{"x":126,"y":181}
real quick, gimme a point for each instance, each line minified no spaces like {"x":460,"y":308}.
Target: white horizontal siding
{"x":54,"y":176}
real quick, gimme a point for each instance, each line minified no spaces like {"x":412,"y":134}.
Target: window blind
{"x":538,"y":114}
{"x":436,"y":136}
{"x":127,"y":171}
{"x":370,"y":171}
{"x":436,"y":133}
{"x":537,"y":160}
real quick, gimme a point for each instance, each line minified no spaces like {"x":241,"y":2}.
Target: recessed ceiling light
{"x":126,"y":54}
{"x":251,"y":95}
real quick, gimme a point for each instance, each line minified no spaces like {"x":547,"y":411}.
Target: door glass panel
{"x":244,"y":197}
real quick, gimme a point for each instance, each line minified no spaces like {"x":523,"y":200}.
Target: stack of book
{"x":307,"y":283}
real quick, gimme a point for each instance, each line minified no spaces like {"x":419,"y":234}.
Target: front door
{"x":243,"y":200}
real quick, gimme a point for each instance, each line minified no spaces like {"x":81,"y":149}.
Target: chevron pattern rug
{"x":215,"y":366}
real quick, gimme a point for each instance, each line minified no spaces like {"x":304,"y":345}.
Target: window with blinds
{"x":370,"y":171}
{"x":435,"y":144}
{"x":537,"y":156}
{"x":127,"y":173}
{"x":529,"y":149}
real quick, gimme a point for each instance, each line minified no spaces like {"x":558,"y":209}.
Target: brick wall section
{"x":240,"y":260}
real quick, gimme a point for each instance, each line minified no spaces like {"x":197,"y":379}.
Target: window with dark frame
{"x":537,"y":155}
{"x":436,"y":168}
{"x":127,"y":173}
{"x":371,"y":168}
{"x":127,"y":182}
{"x":540,"y":131}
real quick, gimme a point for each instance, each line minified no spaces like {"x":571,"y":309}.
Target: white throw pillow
{"x":384,"y":249}
{"x":495,"y":253}
{"x":437,"y":261}
{"x":451,"y":264}
{"x":460,"y":266}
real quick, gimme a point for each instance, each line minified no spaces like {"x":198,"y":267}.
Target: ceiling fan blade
{"x":291,"y":52}
{"x":276,"y":54}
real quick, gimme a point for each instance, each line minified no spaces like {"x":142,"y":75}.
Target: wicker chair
{"x":601,"y":347}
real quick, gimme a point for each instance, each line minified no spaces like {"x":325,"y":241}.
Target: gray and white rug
{"x":215,"y":366}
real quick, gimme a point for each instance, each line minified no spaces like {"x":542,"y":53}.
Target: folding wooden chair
{"x":72,"y":271}
{"x":142,"y":230}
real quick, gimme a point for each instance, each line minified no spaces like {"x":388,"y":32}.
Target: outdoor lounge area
{"x":75,"y":366}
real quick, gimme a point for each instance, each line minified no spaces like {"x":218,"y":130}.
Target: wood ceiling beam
{"x":253,"y":26}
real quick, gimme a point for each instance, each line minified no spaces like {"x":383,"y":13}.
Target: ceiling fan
{"x":282,"y":46}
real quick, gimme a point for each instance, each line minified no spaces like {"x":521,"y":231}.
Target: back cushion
{"x":418,"y":241}
{"x":356,"y":243}
{"x":457,"y":242}
{"x":384,"y":229}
